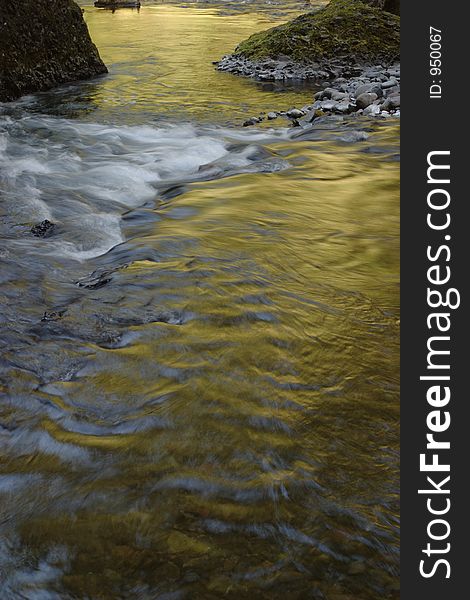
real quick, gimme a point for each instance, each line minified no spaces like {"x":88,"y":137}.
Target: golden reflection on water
{"x":274,"y":407}
{"x":160,"y":63}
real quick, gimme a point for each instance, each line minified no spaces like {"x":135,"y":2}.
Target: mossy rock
{"x":344,"y":29}
{"x":43,"y":43}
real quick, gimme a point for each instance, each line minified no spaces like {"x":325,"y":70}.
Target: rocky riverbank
{"x":374,"y":92}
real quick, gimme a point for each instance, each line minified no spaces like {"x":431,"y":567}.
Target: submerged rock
{"x":252,"y":121}
{"x":43,"y":43}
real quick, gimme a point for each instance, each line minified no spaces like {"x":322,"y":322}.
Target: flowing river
{"x":199,"y":373}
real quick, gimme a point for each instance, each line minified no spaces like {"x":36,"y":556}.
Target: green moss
{"x":344,"y":28}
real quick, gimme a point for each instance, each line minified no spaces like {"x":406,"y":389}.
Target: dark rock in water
{"x":113,"y":4}
{"x":43,"y":43}
{"x":53,"y":315}
{"x":252,"y":121}
{"x":95,"y":280}
{"x":43,"y":229}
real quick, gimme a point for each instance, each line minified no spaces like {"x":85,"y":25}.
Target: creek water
{"x":199,"y":372}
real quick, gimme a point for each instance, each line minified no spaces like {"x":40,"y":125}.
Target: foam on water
{"x":84,"y":176}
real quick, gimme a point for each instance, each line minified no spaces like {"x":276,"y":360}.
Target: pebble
{"x":391,"y":102}
{"x":372,"y":110}
{"x":310,"y":116}
{"x":295,"y":113}
{"x":328,"y":105}
{"x":343,"y":107}
{"x":365,"y":100}
{"x":252,"y":121}
{"x":338,"y":96}
{"x":392,"y":82}
{"x":272,"y":116}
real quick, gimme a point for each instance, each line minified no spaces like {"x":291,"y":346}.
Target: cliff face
{"x":43,"y":43}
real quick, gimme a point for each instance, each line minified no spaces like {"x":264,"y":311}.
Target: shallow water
{"x":199,"y":370}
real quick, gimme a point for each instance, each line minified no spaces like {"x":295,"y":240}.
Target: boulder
{"x":43,"y":43}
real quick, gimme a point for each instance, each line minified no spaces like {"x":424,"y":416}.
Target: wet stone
{"x":43,"y":229}
{"x":372,"y":110}
{"x":343,"y":107}
{"x":392,"y":82}
{"x":338,"y":96}
{"x":53,"y":315}
{"x":328,"y":105}
{"x":295,"y":113}
{"x":365,"y":100}
{"x":252,"y":121}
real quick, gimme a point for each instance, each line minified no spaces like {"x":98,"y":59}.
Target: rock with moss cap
{"x":43,"y":43}
{"x":343,"y":35}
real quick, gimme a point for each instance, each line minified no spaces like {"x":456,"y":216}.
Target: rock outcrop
{"x":348,"y":30}
{"x":43,"y":43}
